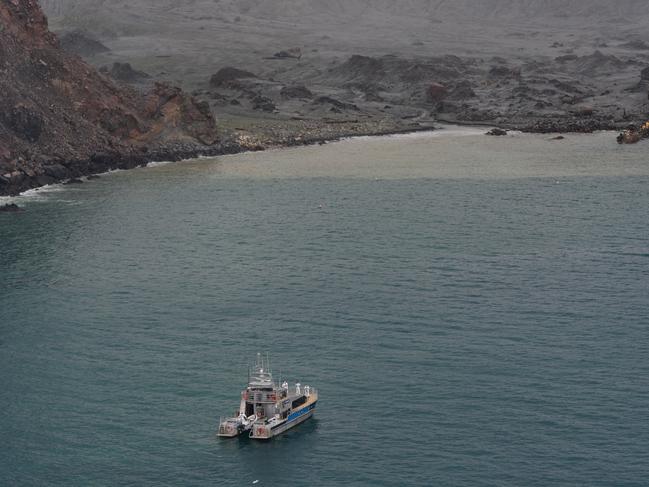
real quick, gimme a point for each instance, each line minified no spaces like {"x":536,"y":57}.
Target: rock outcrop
{"x":60,"y":118}
{"x":298,"y":91}
{"x":228,"y":77}
{"x":294,"y":53}
{"x":644,"y":74}
{"x":80,"y":43}
{"x":125,"y":73}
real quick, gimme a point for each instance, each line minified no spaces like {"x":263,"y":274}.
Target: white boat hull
{"x":259,"y":432}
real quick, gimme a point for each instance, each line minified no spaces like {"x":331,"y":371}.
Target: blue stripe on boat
{"x":301,"y":412}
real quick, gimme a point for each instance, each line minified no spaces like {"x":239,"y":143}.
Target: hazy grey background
{"x":214,"y":32}
{"x":556,"y":57}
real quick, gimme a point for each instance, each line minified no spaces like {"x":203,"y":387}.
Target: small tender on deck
{"x":268,"y":409}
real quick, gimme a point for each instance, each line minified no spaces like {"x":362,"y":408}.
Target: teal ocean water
{"x":474,"y":311}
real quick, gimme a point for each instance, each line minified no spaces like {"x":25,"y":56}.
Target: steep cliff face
{"x":59,"y":118}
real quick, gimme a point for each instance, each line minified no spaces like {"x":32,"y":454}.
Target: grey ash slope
{"x":521,"y":61}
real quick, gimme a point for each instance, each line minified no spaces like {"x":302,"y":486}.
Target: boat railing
{"x":266,"y":397}
{"x":263,"y":397}
{"x":306,"y":390}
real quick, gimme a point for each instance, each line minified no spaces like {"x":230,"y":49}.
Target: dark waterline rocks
{"x":10,"y":208}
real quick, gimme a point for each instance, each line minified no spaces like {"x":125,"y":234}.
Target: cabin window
{"x":298,"y":402}
{"x":250,"y":409}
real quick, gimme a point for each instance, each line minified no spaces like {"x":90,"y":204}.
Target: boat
{"x":268,"y":409}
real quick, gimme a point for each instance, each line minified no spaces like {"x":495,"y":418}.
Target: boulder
{"x":336,"y":105}
{"x":294,"y":53}
{"x":10,"y":208}
{"x":56,"y":171}
{"x":497,"y":132}
{"x":298,"y":91}
{"x":225,"y":76}
{"x":81,"y":43}
{"x":628,"y":137}
{"x":125,"y":73}
{"x":264,"y":104}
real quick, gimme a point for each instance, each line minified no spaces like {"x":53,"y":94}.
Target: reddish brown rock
{"x":437,"y":92}
{"x":57,"y":110}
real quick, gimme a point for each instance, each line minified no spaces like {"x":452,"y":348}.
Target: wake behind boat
{"x":268,"y":409}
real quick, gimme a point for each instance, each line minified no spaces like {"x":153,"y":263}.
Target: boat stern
{"x":261,"y":432}
{"x":228,"y":430}
{"x":233,"y":427}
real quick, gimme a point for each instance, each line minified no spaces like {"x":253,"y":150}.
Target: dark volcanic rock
{"x":125,"y":73}
{"x":497,"y":132}
{"x":263,"y":103}
{"x":56,"y":171}
{"x":294,"y":53}
{"x":462,"y":91}
{"x":637,"y":44}
{"x":373,"y":97}
{"x":81,"y":43}
{"x":362,"y":68}
{"x":553,"y":125}
{"x":290,"y":92}
{"x":225,"y":76}
{"x":583,"y":111}
{"x":567,"y":58}
{"x":25,"y":123}
{"x":644,"y":74}
{"x":643,"y":85}
{"x":504,"y":72}
{"x":596,"y":63}
{"x":10,"y":208}
{"x":336,"y":104}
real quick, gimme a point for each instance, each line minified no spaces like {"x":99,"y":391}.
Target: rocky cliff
{"x":60,"y":118}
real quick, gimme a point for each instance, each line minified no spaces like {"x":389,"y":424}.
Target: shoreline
{"x":106,"y":163}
